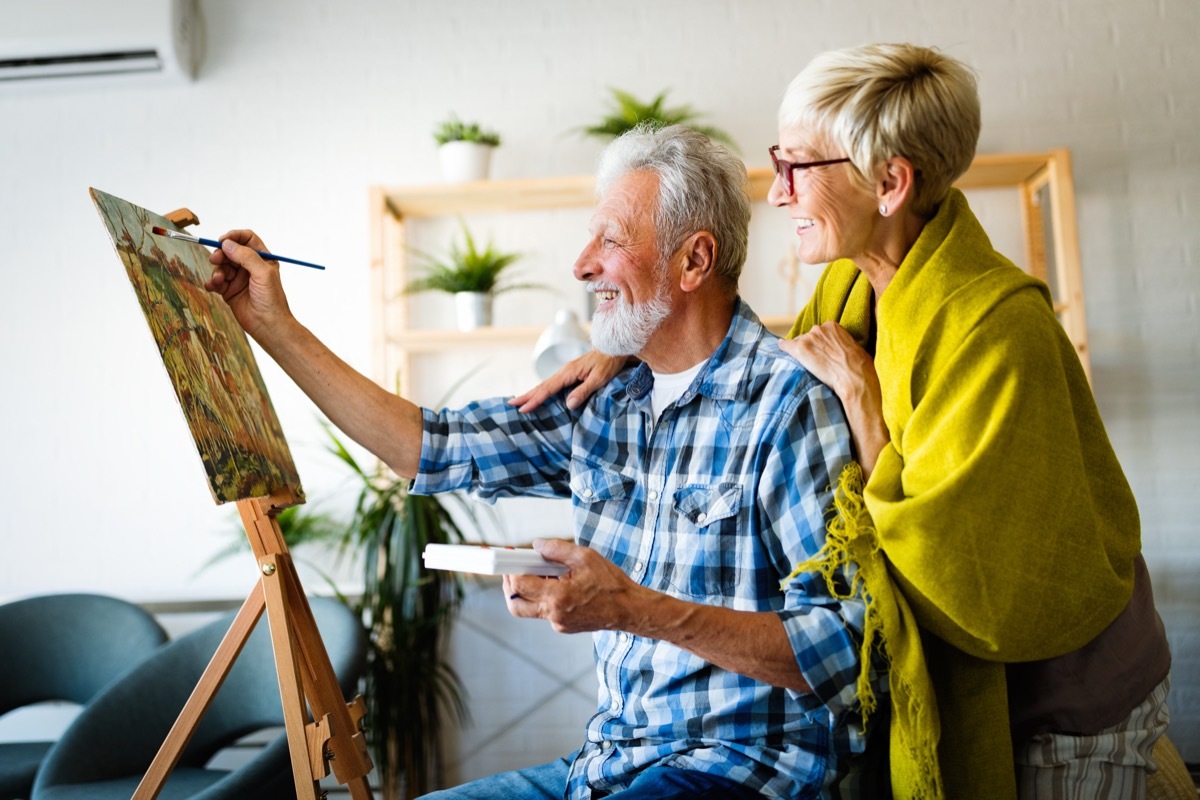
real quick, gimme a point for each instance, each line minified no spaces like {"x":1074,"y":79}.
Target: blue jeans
{"x":549,"y":782}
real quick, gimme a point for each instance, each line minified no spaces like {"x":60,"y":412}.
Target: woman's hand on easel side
{"x":250,"y":285}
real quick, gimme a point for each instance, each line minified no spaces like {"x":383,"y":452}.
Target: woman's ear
{"x":699,"y":255}
{"x":896,"y":186}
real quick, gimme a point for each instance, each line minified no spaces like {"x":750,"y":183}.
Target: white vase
{"x":463,"y":162}
{"x":473,"y":310}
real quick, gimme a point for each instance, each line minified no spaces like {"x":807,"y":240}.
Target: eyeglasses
{"x":784,"y":168}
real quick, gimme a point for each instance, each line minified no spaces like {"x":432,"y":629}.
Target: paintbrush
{"x":185,"y":237}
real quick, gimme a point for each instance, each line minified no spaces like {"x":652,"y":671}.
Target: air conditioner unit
{"x":60,"y":39}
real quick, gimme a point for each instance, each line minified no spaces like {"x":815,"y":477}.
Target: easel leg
{"x":286,"y":664}
{"x":303,"y":668}
{"x":347,"y":746}
{"x":201,"y":697}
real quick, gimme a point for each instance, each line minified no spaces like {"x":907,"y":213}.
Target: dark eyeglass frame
{"x":784,"y":169}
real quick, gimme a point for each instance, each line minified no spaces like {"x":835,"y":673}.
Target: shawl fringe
{"x":890,"y":630}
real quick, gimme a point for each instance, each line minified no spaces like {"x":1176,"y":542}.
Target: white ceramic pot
{"x":463,"y":162}
{"x":474,"y":310}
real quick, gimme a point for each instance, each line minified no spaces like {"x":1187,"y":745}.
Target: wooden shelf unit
{"x":1043,"y":181}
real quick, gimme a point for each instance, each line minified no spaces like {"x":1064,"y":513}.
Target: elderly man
{"x":699,"y":478}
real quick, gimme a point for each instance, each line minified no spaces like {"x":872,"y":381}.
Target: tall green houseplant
{"x":412,"y":692}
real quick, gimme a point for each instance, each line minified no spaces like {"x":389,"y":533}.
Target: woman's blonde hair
{"x":884,"y":100}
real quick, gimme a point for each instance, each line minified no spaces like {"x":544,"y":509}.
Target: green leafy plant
{"x":466,"y":268}
{"x":627,"y":112}
{"x":412,"y":691}
{"x":455,"y":130}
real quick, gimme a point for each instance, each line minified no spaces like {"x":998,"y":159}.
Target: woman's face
{"x":836,"y":217}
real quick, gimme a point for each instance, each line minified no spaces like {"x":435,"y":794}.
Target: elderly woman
{"x":1009,"y":528}
{"x":996,"y":534}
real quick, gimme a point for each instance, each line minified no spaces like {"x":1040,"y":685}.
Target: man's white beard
{"x":626,"y":329}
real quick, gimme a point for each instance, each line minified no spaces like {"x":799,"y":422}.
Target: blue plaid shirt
{"x":714,"y":504}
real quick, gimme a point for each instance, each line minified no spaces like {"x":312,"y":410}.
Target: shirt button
{"x":701,"y":517}
{"x":587,"y":492}
{"x":606,"y":744}
{"x":639,"y":566}
{"x":622,"y":637}
{"x":653,"y":495}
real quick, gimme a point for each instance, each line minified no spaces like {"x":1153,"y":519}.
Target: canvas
{"x":207,"y":357}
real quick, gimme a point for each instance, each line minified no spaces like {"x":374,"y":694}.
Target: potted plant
{"x":464,"y":149}
{"x":412,"y":691}
{"x":472,"y":275}
{"x":627,"y":112}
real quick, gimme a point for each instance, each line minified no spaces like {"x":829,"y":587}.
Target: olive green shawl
{"x":997,"y":521}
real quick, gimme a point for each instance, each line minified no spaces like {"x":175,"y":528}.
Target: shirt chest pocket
{"x":704,"y":557}
{"x":595,"y":484}
{"x":601,"y":500}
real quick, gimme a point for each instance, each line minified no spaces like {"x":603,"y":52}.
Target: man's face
{"x":622,"y":265}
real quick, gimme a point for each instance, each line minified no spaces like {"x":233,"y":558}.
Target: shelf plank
{"x":576,"y":191}
{"x":433,"y":340}
{"x":570,"y":191}
{"x":1003,"y":171}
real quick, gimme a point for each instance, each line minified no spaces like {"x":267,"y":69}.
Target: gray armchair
{"x":63,"y":647}
{"x":108,"y":748}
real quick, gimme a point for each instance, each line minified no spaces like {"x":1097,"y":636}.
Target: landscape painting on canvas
{"x":207,"y":357}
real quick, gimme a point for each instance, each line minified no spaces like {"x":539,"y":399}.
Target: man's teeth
{"x":604,"y":295}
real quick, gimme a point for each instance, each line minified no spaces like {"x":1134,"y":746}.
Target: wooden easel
{"x":301,"y":661}
{"x":305,"y":672}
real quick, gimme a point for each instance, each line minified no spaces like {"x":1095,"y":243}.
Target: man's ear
{"x":896,"y":185}
{"x":699,"y":255}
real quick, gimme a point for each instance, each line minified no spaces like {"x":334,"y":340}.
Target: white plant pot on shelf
{"x":463,"y":162}
{"x":473,"y":310}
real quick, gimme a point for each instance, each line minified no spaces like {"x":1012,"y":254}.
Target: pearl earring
{"x":883,"y":210}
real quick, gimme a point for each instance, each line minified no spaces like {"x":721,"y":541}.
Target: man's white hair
{"x":701,"y":187}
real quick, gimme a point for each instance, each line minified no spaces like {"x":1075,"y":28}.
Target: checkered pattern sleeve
{"x":795,"y":495}
{"x":493,"y":450}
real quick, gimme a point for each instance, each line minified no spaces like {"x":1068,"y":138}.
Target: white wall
{"x":303,"y":104}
